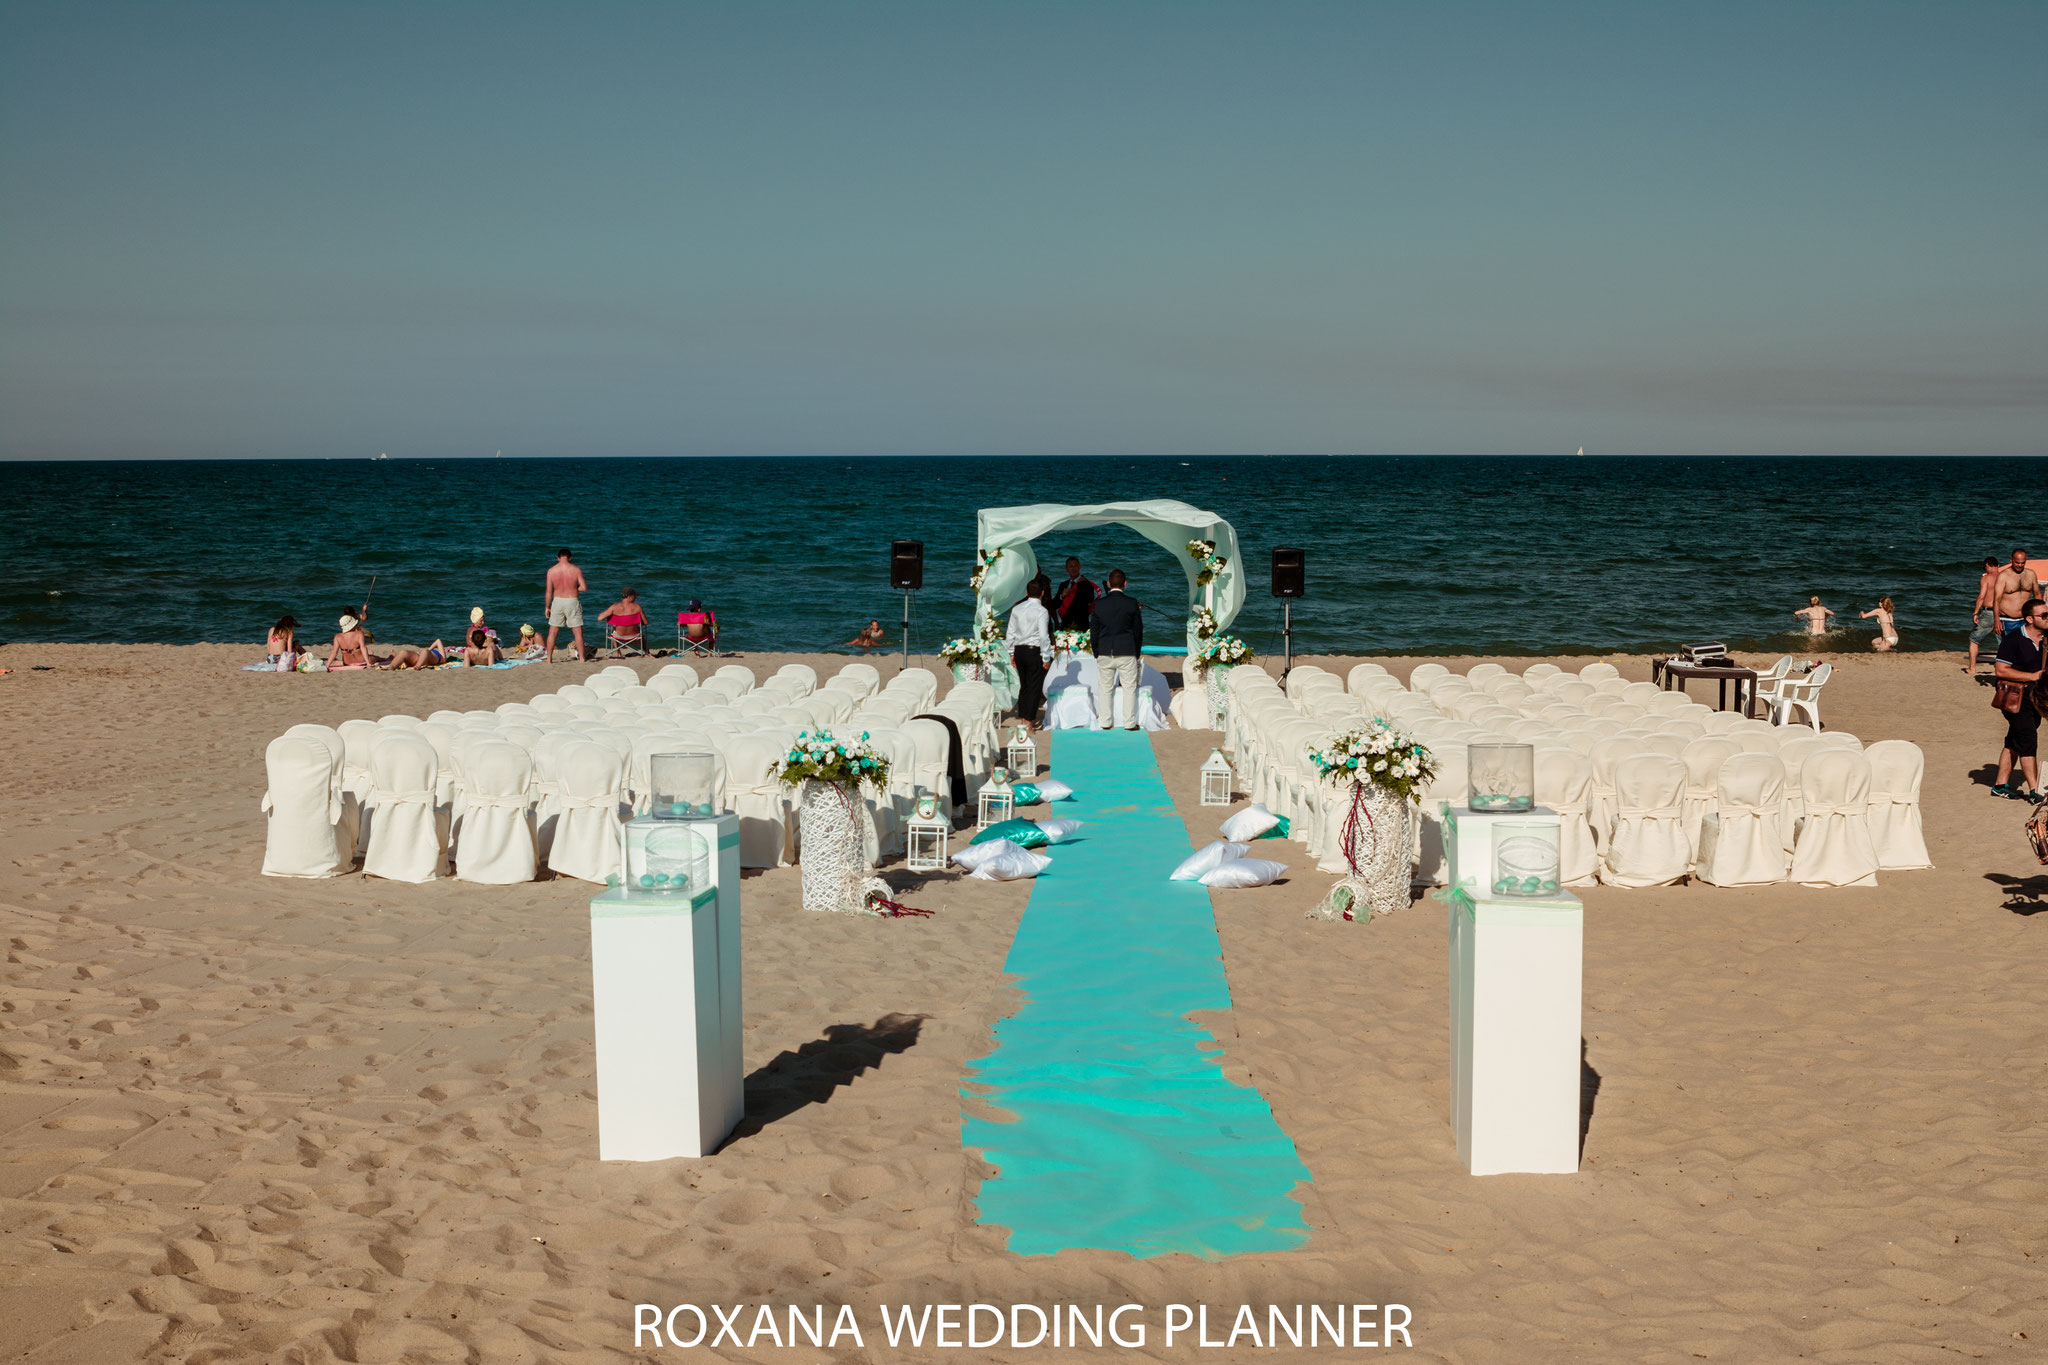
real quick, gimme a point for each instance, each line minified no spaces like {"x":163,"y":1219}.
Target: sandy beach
{"x":245,"y":1118}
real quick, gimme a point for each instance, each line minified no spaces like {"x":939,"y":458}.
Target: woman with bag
{"x":2017,"y":693}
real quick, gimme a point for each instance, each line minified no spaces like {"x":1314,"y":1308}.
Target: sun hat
{"x":476,"y":614}
{"x":348,"y":622}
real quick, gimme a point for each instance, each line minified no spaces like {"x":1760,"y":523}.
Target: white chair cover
{"x":1740,"y":843}
{"x":1703,"y":759}
{"x":1895,"y":770}
{"x":345,"y":825}
{"x":357,"y":737}
{"x":586,"y":835}
{"x":683,"y":671}
{"x":1432,"y":855}
{"x":496,"y":845}
{"x":303,"y":806}
{"x":755,"y":794}
{"x":1834,"y":837}
{"x":1564,"y":783}
{"x":602,"y":685}
{"x":407,"y":842}
{"x":1648,"y":847}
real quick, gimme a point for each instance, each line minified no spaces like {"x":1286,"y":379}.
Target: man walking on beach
{"x":1116,"y":634}
{"x":2016,"y":584}
{"x":1983,"y":611}
{"x":562,"y":603}
{"x":1073,"y":599}
{"x":2019,"y":667}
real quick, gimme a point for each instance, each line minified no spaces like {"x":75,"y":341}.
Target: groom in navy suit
{"x":1116,"y":634}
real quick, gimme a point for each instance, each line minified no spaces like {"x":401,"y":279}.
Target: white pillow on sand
{"x":1207,"y":859}
{"x":1242,"y":872}
{"x":1015,"y":865}
{"x":974,"y":855}
{"x":1052,"y":789}
{"x":1059,"y":831}
{"x":1248,"y":824}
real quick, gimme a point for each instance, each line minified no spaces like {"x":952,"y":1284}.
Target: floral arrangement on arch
{"x":1377,"y":755}
{"x":972,"y":649}
{"x":981,"y":568}
{"x":1070,"y":641}
{"x":1224,"y":651}
{"x":1204,"y":622}
{"x":1207,"y":562}
{"x":818,"y":757}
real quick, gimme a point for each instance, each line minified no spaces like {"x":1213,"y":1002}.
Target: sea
{"x":1510,"y":555}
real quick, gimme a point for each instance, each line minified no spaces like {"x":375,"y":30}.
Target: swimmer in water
{"x":1816,"y":616}
{"x":1887,"y":629}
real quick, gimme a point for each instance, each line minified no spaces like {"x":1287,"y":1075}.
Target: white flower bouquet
{"x":1207,"y":562}
{"x":1223,"y":650}
{"x":1204,"y":622}
{"x":818,"y":757}
{"x":1377,"y":755}
{"x":1070,"y":641}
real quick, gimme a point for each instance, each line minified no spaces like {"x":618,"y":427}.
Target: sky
{"x":450,"y":229}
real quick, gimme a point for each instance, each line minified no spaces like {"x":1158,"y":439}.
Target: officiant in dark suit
{"x":1116,"y":634}
{"x":1071,"y":600}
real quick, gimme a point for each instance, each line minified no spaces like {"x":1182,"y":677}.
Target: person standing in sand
{"x":563,"y":603}
{"x":1816,"y":616}
{"x":2020,"y":665}
{"x":1983,"y":611}
{"x":1116,"y":633}
{"x":2015,"y":586}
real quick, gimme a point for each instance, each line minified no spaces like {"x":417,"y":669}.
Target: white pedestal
{"x":1515,"y":980}
{"x":1468,"y":841}
{"x":665,"y":978}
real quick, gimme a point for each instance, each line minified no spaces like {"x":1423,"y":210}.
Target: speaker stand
{"x":906,"y":627}
{"x":1286,"y":638}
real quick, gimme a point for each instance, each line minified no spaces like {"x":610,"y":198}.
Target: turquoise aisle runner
{"x":1125,"y":1134}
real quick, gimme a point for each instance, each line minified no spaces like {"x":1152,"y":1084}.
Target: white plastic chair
{"x":1796,"y":695}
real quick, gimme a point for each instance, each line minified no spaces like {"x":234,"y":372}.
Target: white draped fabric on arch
{"x":1166,"y":522}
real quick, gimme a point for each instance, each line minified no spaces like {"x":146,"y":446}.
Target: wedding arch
{"x":1004,"y":562}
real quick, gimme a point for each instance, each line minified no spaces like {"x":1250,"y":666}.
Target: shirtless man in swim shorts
{"x":2016,"y":583}
{"x":1983,"y":616}
{"x":563,"y":604}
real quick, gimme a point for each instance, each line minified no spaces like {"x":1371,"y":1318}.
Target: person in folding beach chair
{"x":625,"y":626}
{"x":697,"y":629}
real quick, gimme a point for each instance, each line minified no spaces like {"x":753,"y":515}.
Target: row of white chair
{"x":1585,"y":728}
{"x":567,"y":753}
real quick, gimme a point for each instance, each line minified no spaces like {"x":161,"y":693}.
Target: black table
{"x":1666,"y":672}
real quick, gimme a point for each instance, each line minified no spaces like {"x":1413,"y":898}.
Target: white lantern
{"x":1217,"y":779}
{"x":924,"y":839}
{"x":997,"y":801}
{"x":1022,"y":755}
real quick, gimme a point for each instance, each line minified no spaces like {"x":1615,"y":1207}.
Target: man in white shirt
{"x":1030,"y":640}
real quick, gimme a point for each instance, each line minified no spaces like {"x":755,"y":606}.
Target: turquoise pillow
{"x":1278,"y":831}
{"x":1023,"y":833}
{"x":1026,"y":793}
